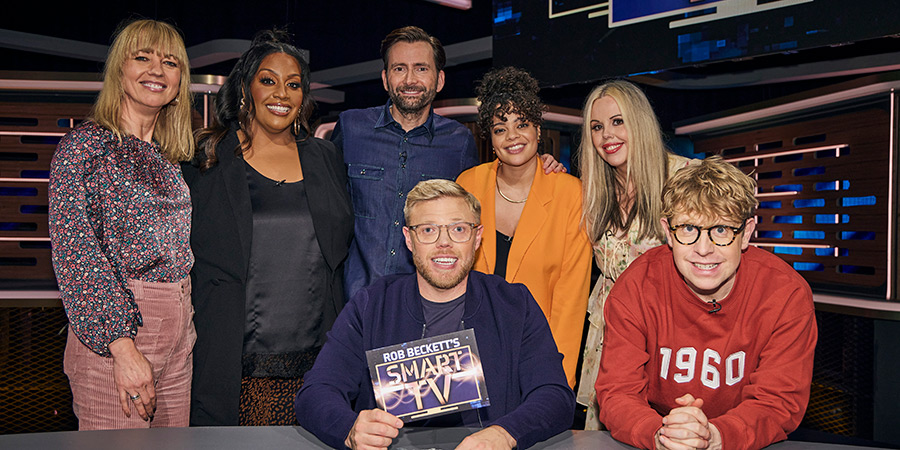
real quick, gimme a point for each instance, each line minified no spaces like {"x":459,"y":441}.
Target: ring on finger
{"x":135,"y":396}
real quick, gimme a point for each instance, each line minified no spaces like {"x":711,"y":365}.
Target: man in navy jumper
{"x":530,"y":399}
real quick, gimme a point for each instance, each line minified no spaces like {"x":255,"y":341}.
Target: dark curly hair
{"x":508,"y":90}
{"x":230,"y":115}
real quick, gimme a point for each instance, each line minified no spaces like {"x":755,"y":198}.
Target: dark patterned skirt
{"x":269,"y":386}
{"x":268,"y":401}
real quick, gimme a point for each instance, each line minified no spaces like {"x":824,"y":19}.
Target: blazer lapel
{"x":234,"y":178}
{"x":489,"y":239}
{"x":323,"y":206}
{"x":533,"y":217}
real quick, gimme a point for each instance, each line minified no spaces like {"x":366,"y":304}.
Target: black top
{"x":286,"y":280}
{"x":504,"y":243}
{"x":443,"y":318}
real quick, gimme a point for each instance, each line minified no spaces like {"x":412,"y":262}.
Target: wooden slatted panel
{"x":23,"y":204}
{"x":845,"y":181}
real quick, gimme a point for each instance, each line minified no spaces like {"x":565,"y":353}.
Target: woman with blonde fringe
{"x":120,"y":217}
{"x":624,"y":165}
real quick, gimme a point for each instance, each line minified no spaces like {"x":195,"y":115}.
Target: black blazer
{"x":221,"y":231}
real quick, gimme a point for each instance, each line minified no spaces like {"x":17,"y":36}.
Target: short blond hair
{"x":173,"y":126}
{"x":712,"y":189}
{"x":439,"y":188}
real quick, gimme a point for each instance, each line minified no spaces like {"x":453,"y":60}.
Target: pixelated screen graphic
{"x":562,"y":42}
{"x":625,"y":11}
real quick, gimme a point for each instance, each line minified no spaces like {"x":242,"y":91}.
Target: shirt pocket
{"x":365,"y":186}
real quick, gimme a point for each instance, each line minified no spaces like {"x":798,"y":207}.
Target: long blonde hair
{"x":173,"y":126}
{"x":646,"y":168}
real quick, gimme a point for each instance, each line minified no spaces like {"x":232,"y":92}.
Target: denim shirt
{"x":384,"y":163}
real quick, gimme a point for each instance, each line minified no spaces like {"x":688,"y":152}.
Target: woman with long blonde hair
{"x":624,"y":165}
{"x":120,"y":220}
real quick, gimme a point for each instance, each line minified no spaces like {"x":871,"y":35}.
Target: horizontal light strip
{"x":864,"y":304}
{"x":787,"y":152}
{"x":800,"y":105}
{"x":779,"y":244}
{"x":777,"y":194}
{"x":24,"y":180}
{"x":24,"y":239}
{"x":28,"y":295}
{"x":30,"y":133}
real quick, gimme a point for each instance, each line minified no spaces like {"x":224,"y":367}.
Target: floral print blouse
{"x":118,"y":211}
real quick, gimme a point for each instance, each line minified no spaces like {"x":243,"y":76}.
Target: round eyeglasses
{"x":429,"y":233}
{"x":721,"y":235}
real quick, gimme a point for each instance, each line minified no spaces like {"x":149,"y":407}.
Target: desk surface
{"x":293,"y":438}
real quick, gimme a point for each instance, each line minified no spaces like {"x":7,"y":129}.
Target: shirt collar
{"x":386,"y":118}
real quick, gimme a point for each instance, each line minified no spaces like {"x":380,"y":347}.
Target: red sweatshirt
{"x":751,"y":362}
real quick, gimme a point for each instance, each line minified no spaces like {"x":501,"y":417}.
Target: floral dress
{"x":613,"y":254}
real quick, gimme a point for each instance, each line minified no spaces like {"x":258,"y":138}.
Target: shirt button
{"x":400,"y":194}
{"x":396,"y":223}
{"x":393,"y":252}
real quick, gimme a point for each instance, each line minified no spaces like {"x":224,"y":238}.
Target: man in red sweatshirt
{"x":709,"y":341}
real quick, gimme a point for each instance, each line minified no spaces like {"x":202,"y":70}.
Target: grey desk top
{"x":293,"y":438}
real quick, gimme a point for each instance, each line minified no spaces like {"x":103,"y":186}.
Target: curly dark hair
{"x":508,"y":90}
{"x":229,"y":113}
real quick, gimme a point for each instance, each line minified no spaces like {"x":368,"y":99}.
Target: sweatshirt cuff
{"x":644,"y":431}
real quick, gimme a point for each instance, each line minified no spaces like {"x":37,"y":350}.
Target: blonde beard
{"x":423,"y":269}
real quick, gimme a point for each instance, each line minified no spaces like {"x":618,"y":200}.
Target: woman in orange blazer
{"x":532,"y":220}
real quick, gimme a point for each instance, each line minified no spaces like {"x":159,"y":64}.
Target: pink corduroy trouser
{"x":166,"y":339}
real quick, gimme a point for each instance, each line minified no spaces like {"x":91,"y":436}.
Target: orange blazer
{"x":550,"y":252}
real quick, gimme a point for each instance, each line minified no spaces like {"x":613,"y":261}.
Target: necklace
{"x":509,"y":199}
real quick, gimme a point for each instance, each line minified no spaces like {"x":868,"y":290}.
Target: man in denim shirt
{"x":390,"y":148}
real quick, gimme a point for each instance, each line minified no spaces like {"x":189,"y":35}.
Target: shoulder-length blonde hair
{"x":646,"y":168}
{"x":173,"y":125}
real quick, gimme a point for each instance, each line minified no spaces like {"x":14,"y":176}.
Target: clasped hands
{"x":687,"y":427}
{"x":376,"y":429}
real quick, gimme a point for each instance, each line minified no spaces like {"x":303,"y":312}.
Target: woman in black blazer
{"x":271,"y":227}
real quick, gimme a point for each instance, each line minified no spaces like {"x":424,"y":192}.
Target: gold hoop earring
{"x":243,"y":106}
{"x":297,"y":127}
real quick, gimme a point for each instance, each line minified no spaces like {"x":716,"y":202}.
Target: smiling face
{"x":515,"y":140}
{"x":411,"y":78}
{"x":443,"y":267}
{"x":608,"y":133}
{"x":150,"y":80}
{"x":277,"y":94}
{"x":708,"y":269}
